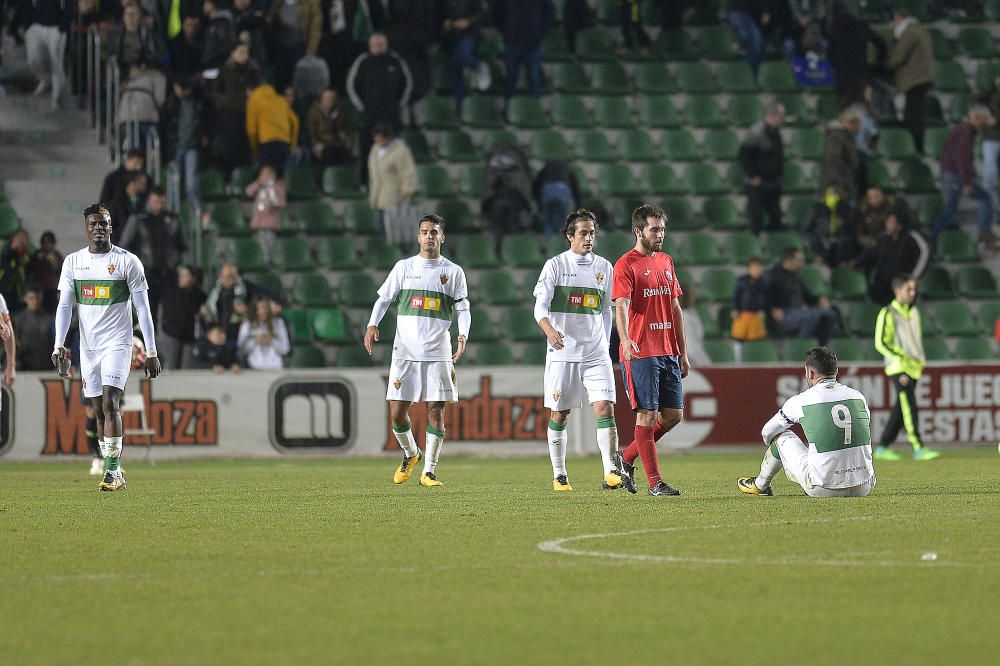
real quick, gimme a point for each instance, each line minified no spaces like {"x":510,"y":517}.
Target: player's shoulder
{"x":125,"y":255}
{"x":601,"y":262}
{"x":627,"y":259}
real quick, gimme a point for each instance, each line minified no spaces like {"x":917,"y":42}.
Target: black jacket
{"x":220,"y":38}
{"x":556,"y":171}
{"x":523,"y":22}
{"x":186,"y":56}
{"x":379,"y":87}
{"x":891,"y":256}
{"x":786,"y":290}
{"x":848,"y":49}
{"x":762,"y":154}
{"x":179,"y":310}
{"x":206,"y":355}
{"x":750,"y":296}
{"x":58,"y":13}
{"x":158,"y":241}
{"x":114,"y":187}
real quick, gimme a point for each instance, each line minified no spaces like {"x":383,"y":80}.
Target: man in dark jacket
{"x":412,"y":29}
{"x":134,"y":43}
{"x":179,"y":307}
{"x":523,"y":24}
{"x":849,"y":38}
{"x":34,"y":331}
{"x":840,"y":156}
{"x":794,"y":309}
{"x":459,"y":22}
{"x":186,"y":49}
{"x":115,"y":182}
{"x":762,"y":157}
{"x":220,"y":34}
{"x":251,"y":21}
{"x":958,"y":175}
{"x":127,"y":203}
{"x":379,"y":84}
{"x":229,"y":99}
{"x":557,"y":192}
{"x":900,"y":250}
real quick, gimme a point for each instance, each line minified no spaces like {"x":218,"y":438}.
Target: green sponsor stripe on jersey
{"x":577,"y":300}
{"x":101,"y":292}
{"x":838,"y":425}
{"x":424,"y":303}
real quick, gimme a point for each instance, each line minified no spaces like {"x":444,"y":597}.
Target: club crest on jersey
{"x":444,"y":279}
{"x":397,"y":382}
{"x":670,"y":276}
{"x":556,"y":395}
{"x":599,"y":278}
{"x":111,"y":268}
{"x":425,"y":303}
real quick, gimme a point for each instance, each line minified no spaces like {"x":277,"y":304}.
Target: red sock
{"x":647,"y":450}
{"x":658,"y":430}
{"x":631,"y":452}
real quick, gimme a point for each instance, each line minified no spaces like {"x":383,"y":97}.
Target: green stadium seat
{"x":717,"y":44}
{"x":481,"y":112}
{"x":777,"y":77}
{"x":570,"y":111}
{"x":292,"y":254}
{"x":228,"y":221}
{"x":975,"y":43}
{"x":927,"y":212}
{"x":498,"y":288}
{"x":794,"y":349}
{"x":416,"y":141}
{"x":700,"y":249}
{"x":637,"y":146}
{"x":534,"y":355}
{"x":806,"y":144}
{"x":482,"y":328}
{"x":386,"y":327}
{"x":238,"y":181}
{"x":742,"y":245}
{"x":794,"y":179}
{"x":709,"y":325}
{"x":680,"y":146}
{"x":704,"y":111}
{"x":609,"y":78}
{"x":526,"y":113}
{"x":248,"y":256}
{"x":827,"y":107}
{"x":735,"y":178}
{"x":518,"y":325}
{"x":933,"y":114}
{"x":657,"y":112}
{"x":493,"y":137}
{"x":974,"y":349}
{"x":721,"y":215}
{"x":521,"y":251}
{"x":992,"y":10}
{"x":341,"y":182}
{"x":477,"y":252}
{"x":358,"y":217}
{"x":434,"y":182}
{"x":594,"y":45}
{"x":940,"y":45}
{"x":286,"y":225}
{"x":878,"y":176}
{"x":331,"y":325}
{"x":593,"y":146}
{"x":847,"y":284}
{"x":301,"y":186}
{"x":337,"y":253}
{"x":814,"y":280}
{"x":457,"y":216}
{"x":311,"y":290}
{"x":357,"y":290}
{"x":305,"y":356}
{"x":680,"y":215}
{"x":934,"y":139}
{"x":896,"y":143}
{"x":800,"y":210}
{"x":677,"y":46}
{"x":797,"y":111}
{"x":704,"y":180}
{"x":212,"y":185}
{"x":455,"y":146}
{"x":300,"y":325}
{"x":493,"y":353}
{"x":955,"y":245}
{"x":976,"y":282}
{"x":613,"y":112}
{"x":776,"y":242}
{"x":720,"y":351}
{"x":570,"y":78}
{"x":614,"y":246}
{"x":936,"y":349}
{"x":914,"y":177}
{"x":546,"y":145}
{"x":736,"y":78}
{"x":354,"y":357}
{"x":717,"y":285}
{"x":935,"y":284}
{"x":582,"y":181}
{"x":267,"y":281}
{"x":617,"y":180}
{"x":316,"y":219}
{"x":955,"y":318}
{"x":861,"y":319}
{"x":722,"y":145}
{"x":696,"y":78}
{"x":950,"y":78}
{"x":986,"y":72}
{"x":652,"y":78}
{"x":847,"y":350}
{"x":958,"y":108}
{"x":660,"y":179}
{"x":746,"y":110}
{"x":988,"y":315}
{"x":555,"y":48}
{"x":9,"y":221}
{"x":381,"y":254}
{"x":436,"y":113}
{"x":758,"y":351}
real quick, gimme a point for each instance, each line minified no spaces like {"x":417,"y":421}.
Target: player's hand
{"x":461,"y":349}
{"x":904,"y":380}
{"x":777,"y":314}
{"x":9,"y":375}
{"x":59,"y":356}
{"x":630,"y":350}
{"x":371,"y":337}
{"x":152,"y":366}
{"x":685,"y":365}
{"x":5,"y":331}
{"x":555,"y":339}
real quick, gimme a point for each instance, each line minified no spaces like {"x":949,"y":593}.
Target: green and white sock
{"x":557,"y":448}
{"x":112,"y":453}
{"x":432,"y":449}
{"x":607,"y":442}
{"x":769,"y":467}
{"x":406,"y":440}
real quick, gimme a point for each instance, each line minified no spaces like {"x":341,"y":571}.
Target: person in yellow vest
{"x":898,"y":337}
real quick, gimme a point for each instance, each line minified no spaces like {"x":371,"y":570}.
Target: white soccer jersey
{"x":837,"y":424}
{"x":102,"y":285}
{"x":4,"y":310}
{"x":426,"y":291}
{"x":576,"y":291}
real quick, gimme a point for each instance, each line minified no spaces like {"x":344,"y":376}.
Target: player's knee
{"x":435,"y":414}
{"x":671,"y":419}
{"x":559,"y":416}
{"x":603,"y":409}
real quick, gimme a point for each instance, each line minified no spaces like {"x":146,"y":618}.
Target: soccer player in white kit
{"x":105,"y":281}
{"x":9,"y":344}
{"x":573,"y":309}
{"x":428,"y":290}
{"x":836,"y":459}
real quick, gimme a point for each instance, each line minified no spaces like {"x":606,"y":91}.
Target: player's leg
{"x":433,"y":444}
{"x":794,"y":456}
{"x":93,"y":435}
{"x":641,"y":386}
{"x":892,"y":426}
{"x":403,"y":390}
{"x":557,"y":448}
{"x":769,"y":468}
{"x":599,"y":380}
{"x":911,"y":419}
{"x":114,"y":479}
{"x":563,"y":391}
{"x":671,"y":399}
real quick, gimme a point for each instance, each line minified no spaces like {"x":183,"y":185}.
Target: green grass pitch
{"x":325,"y":561}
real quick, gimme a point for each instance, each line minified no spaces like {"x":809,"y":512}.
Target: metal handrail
{"x":153,"y":159}
{"x":94,"y":81}
{"x":112,"y":86}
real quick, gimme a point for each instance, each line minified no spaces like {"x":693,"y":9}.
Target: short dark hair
{"x":48,"y":236}
{"x":134,"y":153}
{"x":254,"y":77}
{"x":902,"y":279}
{"x":384,"y":129}
{"x":823,"y":360}
{"x":641,"y":215}
{"x":157,"y":191}
{"x":96,"y":209}
{"x":33,"y":289}
{"x":431,"y":217}
{"x":755,"y":260}
{"x":580,"y":214}
{"x":790,"y":252}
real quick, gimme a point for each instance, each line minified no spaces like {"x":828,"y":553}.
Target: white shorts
{"x":565,"y":382}
{"x":795,"y":459}
{"x":105,"y":367}
{"x":422,"y":381}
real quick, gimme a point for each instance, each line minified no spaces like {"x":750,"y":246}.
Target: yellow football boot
{"x":428,"y":480}
{"x":405,"y":468}
{"x":612,"y":480}
{"x":748,"y":485}
{"x":112,"y":482}
{"x":561,"y":483}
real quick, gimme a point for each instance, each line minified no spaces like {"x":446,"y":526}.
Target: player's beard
{"x":650,"y":246}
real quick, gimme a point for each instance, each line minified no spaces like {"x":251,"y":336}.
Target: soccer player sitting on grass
{"x":573,"y":309}
{"x":428,"y":290}
{"x":836,"y":459}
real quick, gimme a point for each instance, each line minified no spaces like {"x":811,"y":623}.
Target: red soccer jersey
{"x":651,"y":285}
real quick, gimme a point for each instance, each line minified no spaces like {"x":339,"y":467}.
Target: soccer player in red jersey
{"x":653,"y":350}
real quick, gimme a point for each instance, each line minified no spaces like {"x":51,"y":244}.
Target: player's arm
{"x":141,"y":301}
{"x":64,"y":316}
{"x":778,"y":424}
{"x":10,"y":346}
{"x":680,"y":336}
{"x":622,"y":294}
{"x":464,"y":309}
{"x":544,"y":289}
{"x":387,"y":294}
{"x":607,"y":313}
{"x":885,"y":336}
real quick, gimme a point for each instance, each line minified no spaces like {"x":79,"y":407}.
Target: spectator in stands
{"x":865,"y":139}
{"x":127,"y":204}
{"x":226,"y":302}
{"x":840,"y":155}
{"x":139,"y":104}
{"x":899,"y":250}
{"x":379,"y":85}
{"x":744,"y":18}
{"x":187,"y":48}
{"x":830,"y":233}
{"x":958,"y":175}
{"x":694,"y":330}
{"x":506,"y":202}
{"x":331,"y":134}
{"x":213,"y":353}
{"x":633,"y":33}
{"x":412,"y":29}
{"x":220,"y":33}
{"x":156,"y":237}
{"x":179,"y":307}
{"x":557,"y":192}
{"x":990,"y":98}
{"x":45,"y":42}
{"x":251,"y":26}
{"x":134,"y":43}
{"x":911,"y":61}
{"x":792,"y":307}
{"x":849,"y":38}
{"x":134,"y":161}
{"x":229,"y":97}
{"x":34,"y":330}
{"x":184,"y":118}
{"x":14,"y":262}
{"x":749,"y":304}
{"x":576,"y":17}
{"x":523,"y":24}
{"x":310,"y":78}
{"x":393,"y":174}
{"x":272,"y":126}
{"x":460,"y":21}
{"x":874,"y":208}
{"x":762,"y":157}
{"x":296,"y":27}
{"x":44,"y":270}
{"x":263,"y":337}
{"x":270,"y":196}
{"x":338,"y":43}
{"x":780,"y":25}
